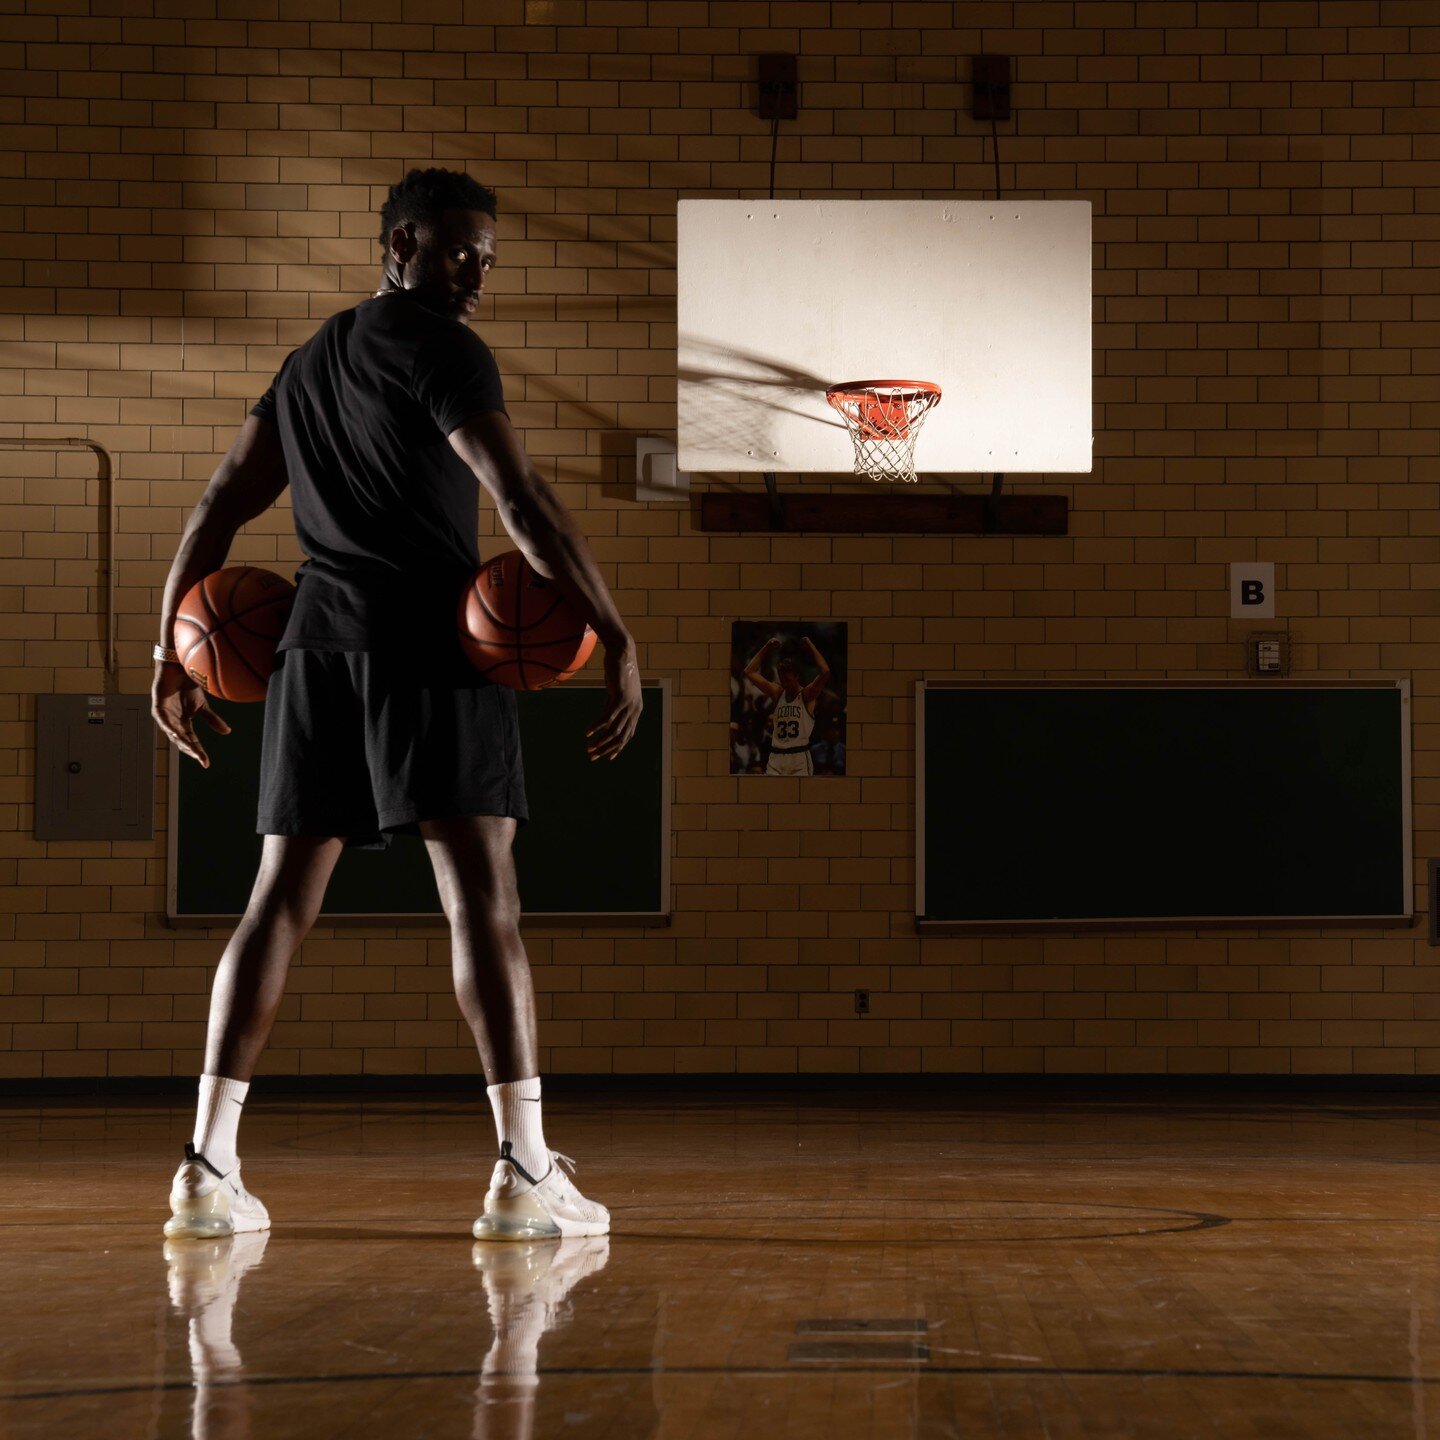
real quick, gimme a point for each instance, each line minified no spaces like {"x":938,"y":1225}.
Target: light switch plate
{"x":657,"y":473}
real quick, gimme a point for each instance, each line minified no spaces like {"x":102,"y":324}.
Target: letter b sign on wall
{"x":1252,"y":591}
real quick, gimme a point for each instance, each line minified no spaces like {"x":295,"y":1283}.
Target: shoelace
{"x":563,"y":1182}
{"x":566,"y":1188}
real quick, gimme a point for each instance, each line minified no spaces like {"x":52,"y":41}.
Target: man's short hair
{"x":424,"y":195}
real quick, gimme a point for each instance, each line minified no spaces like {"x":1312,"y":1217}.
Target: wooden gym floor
{"x":809,"y":1266}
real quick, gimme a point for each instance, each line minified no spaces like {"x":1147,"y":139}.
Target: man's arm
{"x":753,"y":674}
{"x":537,"y":520}
{"x":813,"y":689}
{"x":247,"y":482}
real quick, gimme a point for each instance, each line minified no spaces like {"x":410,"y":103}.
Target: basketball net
{"x":884,"y":419}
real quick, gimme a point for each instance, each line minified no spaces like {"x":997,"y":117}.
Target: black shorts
{"x":365,"y":745}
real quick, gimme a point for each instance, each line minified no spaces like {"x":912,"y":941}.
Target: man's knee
{"x":284,"y":906}
{"x":484,"y":899}
{"x":290,"y":887}
{"x":285,"y":919}
{"x":474,"y":869}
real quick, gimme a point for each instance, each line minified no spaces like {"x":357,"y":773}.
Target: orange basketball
{"x":227,"y":629}
{"x":518,"y":629}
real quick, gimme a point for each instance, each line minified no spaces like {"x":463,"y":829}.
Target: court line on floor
{"x":1029,"y":1372}
{"x":339,"y":1232}
{"x":315,"y":1231}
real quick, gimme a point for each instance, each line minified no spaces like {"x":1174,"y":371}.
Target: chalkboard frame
{"x":1002,"y":926}
{"x":177,"y":918}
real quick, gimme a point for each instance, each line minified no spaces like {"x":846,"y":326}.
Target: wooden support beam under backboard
{"x":893,"y":513}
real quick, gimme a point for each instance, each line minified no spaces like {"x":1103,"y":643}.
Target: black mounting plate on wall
{"x":990,"y":79}
{"x":779,"y":80}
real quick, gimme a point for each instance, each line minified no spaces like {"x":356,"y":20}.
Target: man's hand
{"x":616,"y":727}
{"x":176,"y":702}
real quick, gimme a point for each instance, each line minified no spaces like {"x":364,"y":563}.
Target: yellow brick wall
{"x":190,"y":187}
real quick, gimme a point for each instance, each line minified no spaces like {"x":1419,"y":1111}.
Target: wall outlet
{"x":862,"y":1002}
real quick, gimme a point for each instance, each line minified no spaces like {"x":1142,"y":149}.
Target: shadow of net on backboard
{"x":729,"y":401}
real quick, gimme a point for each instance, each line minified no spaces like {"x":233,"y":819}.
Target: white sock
{"x":217,"y":1120}
{"x":517,"y":1120}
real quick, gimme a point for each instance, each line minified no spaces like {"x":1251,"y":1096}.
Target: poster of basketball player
{"x":787,"y":697}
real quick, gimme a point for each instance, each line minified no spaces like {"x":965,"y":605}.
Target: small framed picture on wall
{"x":787,"y":697}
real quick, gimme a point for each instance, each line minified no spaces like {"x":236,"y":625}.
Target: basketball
{"x":518,"y":629}
{"x":228,"y":627}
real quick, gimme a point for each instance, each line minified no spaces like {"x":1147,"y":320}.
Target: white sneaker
{"x":205,"y":1204}
{"x":520,"y":1207}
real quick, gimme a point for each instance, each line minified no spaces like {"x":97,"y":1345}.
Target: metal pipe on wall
{"x":105,"y":475}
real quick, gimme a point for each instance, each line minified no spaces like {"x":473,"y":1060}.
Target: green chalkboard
{"x":1043,"y":804}
{"x":597,"y":843}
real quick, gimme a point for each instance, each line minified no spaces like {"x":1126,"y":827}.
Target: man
{"x":793,"y":718}
{"x":374,"y":724}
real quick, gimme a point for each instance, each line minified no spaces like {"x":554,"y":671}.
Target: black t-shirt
{"x":385,"y":510}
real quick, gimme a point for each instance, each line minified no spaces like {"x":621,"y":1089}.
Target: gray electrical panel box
{"x":94,"y":767}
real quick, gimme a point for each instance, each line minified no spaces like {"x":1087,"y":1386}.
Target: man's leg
{"x":529,"y":1195}
{"x":207,"y":1197}
{"x":475,"y":874}
{"x":289,"y":888}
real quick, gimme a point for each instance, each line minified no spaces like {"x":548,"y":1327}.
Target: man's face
{"x":789,"y":681}
{"x":451,"y":260}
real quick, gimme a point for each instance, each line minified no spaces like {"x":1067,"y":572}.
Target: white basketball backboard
{"x":780,"y":298}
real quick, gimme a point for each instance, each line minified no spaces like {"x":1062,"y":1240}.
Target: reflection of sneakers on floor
{"x":539,"y":1275}
{"x":520,"y":1207}
{"x":204,"y":1285}
{"x":528,"y":1286}
{"x":204,"y":1204}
